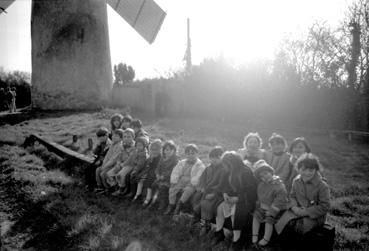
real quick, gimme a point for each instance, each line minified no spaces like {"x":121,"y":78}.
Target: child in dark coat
{"x":209,"y":179}
{"x":168,"y":161}
{"x":99,"y":152}
{"x":238,"y":187}
{"x":272,"y":200}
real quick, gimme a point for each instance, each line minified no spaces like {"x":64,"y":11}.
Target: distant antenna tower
{"x":188,"y":57}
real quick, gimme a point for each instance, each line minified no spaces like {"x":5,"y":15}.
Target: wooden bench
{"x":60,"y":150}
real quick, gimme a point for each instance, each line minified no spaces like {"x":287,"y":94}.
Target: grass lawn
{"x":48,"y":210}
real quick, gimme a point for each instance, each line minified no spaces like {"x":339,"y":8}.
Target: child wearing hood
{"x":126,"y":122}
{"x":135,"y":162}
{"x":128,"y":148}
{"x":309,"y":199}
{"x":251,"y":151}
{"x":272,"y":200}
{"x":146,"y":176}
{"x":110,"y":160}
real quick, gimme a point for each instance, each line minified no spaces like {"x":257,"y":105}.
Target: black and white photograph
{"x":184,"y":125}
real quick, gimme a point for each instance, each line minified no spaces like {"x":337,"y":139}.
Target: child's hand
{"x":210,"y":196}
{"x":226,"y":197}
{"x":264,"y":206}
{"x":298,"y":211}
{"x":303,"y":211}
{"x":233,"y":200}
{"x":295,"y":210}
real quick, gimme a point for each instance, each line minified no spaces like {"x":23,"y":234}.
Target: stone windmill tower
{"x":71,"y":66}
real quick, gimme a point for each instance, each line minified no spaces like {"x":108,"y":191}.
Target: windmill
{"x":71,"y":66}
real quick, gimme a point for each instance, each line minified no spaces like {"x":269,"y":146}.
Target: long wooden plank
{"x":60,"y":150}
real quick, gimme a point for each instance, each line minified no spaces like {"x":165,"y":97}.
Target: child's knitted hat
{"x":119,"y":132}
{"x":260,"y":166}
{"x":143,"y":140}
{"x":130,"y":130}
{"x":156,"y":144}
{"x":103,"y":131}
{"x":127,"y":118}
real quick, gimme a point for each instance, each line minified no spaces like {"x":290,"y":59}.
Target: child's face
{"x":298,"y":149}
{"x":191,"y":156}
{"x":307,"y":173}
{"x":126,"y":124}
{"x":266,"y":176}
{"x":136,"y":129}
{"x":154,"y":152}
{"x":277,"y":147}
{"x":116,"y":138}
{"x":116,"y":123}
{"x":168,"y":152}
{"x":127,"y":138}
{"x":102,"y":139}
{"x":140,"y":146}
{"x":215,"y":161}
{"x":253,"y":144}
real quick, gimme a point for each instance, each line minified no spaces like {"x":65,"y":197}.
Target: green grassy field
{"x":49,"y":210}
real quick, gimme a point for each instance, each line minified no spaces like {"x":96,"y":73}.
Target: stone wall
{"x":71,"y":67}
{"x":157,"y":98}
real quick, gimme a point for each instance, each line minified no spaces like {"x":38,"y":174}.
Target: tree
{"x":123,"y":74}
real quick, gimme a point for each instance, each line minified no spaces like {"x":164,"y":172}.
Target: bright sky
{"x":241,"y":30}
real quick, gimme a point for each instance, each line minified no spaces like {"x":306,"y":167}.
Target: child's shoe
{"x":137,"y":198}
{"x":236,"y":246}
{"x":178,"y":207}
{"x":117,"y":193}
{"x":218,"y":237}
{"x":169,"y":209}
{"x":146,"y":203}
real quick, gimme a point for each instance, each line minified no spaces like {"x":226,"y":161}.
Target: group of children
{"x":282,"y":189}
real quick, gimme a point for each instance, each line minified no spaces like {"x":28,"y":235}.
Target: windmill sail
{"x":145,"y":16}
{"x":5,"y":4}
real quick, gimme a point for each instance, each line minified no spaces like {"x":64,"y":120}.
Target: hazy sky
{"x":241,"y":30}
